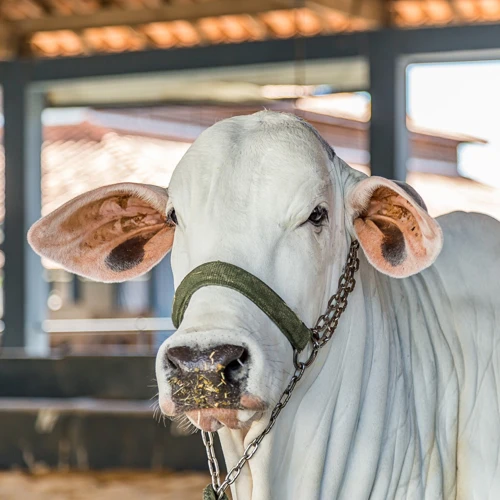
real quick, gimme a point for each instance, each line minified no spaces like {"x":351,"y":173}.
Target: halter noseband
{"x":266,"y":299}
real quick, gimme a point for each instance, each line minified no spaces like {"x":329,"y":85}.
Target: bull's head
{"x":264,"y":193}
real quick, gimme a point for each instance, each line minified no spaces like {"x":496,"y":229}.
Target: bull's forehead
{"x":253,"y":163}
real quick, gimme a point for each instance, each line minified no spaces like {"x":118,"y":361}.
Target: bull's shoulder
{"x":471,"y":243}
{"x":481,"y":225}
{"x":463,"y":285}
{"x":464,"y":282}
{"x":468,"y":273}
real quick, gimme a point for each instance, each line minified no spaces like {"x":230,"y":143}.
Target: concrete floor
{"x":114,"y":485}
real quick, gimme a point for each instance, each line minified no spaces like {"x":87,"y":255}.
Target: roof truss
{"x":113,"y":16}
{"x":47,"y":16}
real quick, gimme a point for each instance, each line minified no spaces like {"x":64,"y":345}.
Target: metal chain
{"x":213,"y":464}
{"x":321,"y":333}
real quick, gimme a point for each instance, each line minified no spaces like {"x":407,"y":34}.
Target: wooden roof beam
{"x":46,"y":6}
{"x":371,"y":10}
{"x":456,"y":13}
{"x":9,"y":42}
{"x":119,"y":17}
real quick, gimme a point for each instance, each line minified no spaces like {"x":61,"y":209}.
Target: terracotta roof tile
{"x":284,"y":23}
{"x":448,"y":194}
{"x":413,"y":13}
{"x":71,"y":167}
{"x":311,"y":20}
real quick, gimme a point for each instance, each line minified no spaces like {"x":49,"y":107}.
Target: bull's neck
{"x":351,"y":428}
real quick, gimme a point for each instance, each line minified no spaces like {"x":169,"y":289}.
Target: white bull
{"x":402,"y":403}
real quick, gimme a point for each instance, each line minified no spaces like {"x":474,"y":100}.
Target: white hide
{"x":403,"y":402}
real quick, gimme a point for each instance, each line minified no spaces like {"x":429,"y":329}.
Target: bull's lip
{"x":247,"y":401}
{"x":212,"y":419}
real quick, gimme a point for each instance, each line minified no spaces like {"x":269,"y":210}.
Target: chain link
{"x":213,"y":464}
{"x":321,"y":333}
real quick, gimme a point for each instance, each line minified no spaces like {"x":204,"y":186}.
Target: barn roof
{"x":50,"y":28}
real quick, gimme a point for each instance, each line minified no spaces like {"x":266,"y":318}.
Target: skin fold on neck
{"x":352,"y":424}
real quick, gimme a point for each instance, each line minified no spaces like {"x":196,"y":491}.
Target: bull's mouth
{"x":212,"y":419}
{"x":248,"y":409}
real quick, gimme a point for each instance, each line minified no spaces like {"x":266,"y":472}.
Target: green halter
{"x":266,"y":299}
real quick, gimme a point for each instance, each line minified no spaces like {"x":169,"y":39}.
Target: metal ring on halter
{"x":310,"y":360}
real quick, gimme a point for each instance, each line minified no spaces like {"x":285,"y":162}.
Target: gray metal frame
{"x":25,"y":83}
{"x":25,"y":291}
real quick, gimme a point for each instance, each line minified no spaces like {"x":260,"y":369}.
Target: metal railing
{"x":107,"y":325}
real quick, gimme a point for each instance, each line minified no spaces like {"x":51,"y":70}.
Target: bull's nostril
{"x":236,"y":368}
{"x":172,"y":361}
{"x":171,"y":364}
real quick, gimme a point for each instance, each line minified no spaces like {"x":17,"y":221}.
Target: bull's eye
{"x":318,"y":216}
{"x":172,"y":217}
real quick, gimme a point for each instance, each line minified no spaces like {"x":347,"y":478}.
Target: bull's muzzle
{"x":209,"y":378}
{"x":208,"y":385}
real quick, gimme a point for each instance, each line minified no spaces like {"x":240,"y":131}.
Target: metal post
{"x":162,"y":295}
{"x":389,"y":146}
{"x":25,"y":290}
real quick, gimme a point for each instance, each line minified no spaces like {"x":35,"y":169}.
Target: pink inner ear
{"x":398,"y":236}
{"x":398,"y":222}
{"x":111,"y":234}
{"x":112,"y":220}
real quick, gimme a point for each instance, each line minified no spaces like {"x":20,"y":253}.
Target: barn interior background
{"x":102,"y":91}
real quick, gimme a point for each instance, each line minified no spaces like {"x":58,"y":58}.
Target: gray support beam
{"x":162,"y":295}
{"x":442,"y":43}
{"x":389,"y":145}
{"x":479,"y":38}
{"x":25,"y":291}
{"x":213,"y":56}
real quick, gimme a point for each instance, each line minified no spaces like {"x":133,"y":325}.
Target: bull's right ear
{"x":111,"y":234}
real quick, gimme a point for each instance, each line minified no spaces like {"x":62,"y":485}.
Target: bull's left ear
{"x":393,"y":227}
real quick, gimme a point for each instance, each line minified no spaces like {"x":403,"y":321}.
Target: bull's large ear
{"x":111,"y":234}
{"x":393,"y":227}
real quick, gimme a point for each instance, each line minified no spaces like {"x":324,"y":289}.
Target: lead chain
{"x":321,"y":333}
{"x":213,"y":464}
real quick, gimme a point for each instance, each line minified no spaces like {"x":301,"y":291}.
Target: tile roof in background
{"x":78,"y":158}
{"x":447,"y":194}
{"x":138,"y":145}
